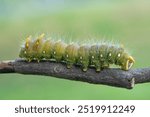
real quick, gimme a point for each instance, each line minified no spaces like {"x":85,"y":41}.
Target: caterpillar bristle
{"x":42,"y":36}
{"x":99,"y":54}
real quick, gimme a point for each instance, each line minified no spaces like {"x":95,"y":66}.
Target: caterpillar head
{"x":128,"y":62}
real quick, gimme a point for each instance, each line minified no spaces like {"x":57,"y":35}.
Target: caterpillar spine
{"x":99,"y":56}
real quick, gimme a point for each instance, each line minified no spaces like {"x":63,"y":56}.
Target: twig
{"x":112,"y":76}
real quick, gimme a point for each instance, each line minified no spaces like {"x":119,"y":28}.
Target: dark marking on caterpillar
{"x":99,"y":56}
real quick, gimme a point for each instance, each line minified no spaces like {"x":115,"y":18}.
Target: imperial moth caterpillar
{"x":99,"y":56}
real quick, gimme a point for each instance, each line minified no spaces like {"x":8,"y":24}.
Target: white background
{"x":7,"y":108}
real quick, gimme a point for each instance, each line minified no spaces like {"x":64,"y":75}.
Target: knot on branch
{"x":57,"y":69}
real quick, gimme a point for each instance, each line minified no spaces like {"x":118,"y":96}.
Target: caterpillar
{"x":99,"y":56}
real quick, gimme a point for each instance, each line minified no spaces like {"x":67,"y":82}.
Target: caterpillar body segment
{"x":37,"y":48}
{"x":103,"y":55}
{"x":99,"y":56}
{"x":38,"y":43}
{"x":95,"y":57}
{"x":26,"y":50}
{"x":47,"y":49}
{"x":59,"y":51}
{"x":71,"y":54}
{"x":83,"y":57}
{"x":111,"y":54}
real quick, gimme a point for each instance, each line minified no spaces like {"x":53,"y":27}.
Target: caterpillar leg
{"x":38,"y":60}
{"x":69,"y":65}
{"x":29,"y":60}
{"x":98,"y":69}
{"x":105,"y":65}
{"x":84,"y":68}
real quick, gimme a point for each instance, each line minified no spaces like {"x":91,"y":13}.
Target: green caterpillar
{"x":99,"y":56}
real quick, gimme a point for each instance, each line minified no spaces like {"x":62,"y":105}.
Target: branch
{"x":112,"y":76}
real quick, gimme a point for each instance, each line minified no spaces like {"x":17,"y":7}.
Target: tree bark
{"x":111,"y":76}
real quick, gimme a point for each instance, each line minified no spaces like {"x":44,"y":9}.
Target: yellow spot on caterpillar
{"x":119,"y":55}
{"x":80,"y":57}
{"x":92,"y":57}
{"x":28,"y":39}
{"x":101,"y":55}
{"x":39,"y":39}
{"x":37,"y":43}
{"x":27,"y":45}
{"x":54,"y":52}
{"x":67,"y":56}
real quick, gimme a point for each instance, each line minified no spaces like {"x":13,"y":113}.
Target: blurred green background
{"x":123,"y":21}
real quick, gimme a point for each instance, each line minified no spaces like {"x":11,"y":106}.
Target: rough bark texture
{"x":112,"y":76}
